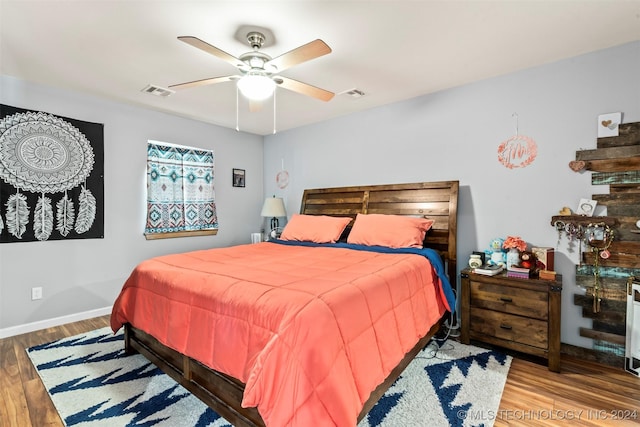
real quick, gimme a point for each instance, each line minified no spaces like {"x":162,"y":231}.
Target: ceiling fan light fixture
{"x":256,"y":85}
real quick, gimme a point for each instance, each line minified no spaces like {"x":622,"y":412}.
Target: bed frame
{"x":434,"y":200}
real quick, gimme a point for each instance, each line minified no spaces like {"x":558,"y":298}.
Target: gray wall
{"x":455,"y":134}
{"x":86,"y":275}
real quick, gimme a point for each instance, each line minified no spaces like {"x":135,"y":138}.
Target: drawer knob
{"x":503,"y":326}
{"x":506,"y":299}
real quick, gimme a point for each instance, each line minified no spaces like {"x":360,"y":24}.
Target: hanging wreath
{"x":518,"y":151}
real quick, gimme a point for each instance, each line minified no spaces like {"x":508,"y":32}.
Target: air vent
{"x":353,"y":93}
{"x":158,"y":91}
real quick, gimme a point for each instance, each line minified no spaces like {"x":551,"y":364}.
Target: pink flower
{"x":515,"y":242}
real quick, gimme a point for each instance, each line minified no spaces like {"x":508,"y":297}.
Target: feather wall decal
{"x":17,"y":214}
{"x":43,"y":218}
{"x":65,"y":215}
{"x":1,"y":224}
{"x":86,"y":211}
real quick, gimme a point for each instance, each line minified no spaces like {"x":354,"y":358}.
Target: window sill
{"x":156,"y":236}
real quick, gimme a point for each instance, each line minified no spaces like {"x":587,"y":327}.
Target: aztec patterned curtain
{"x":180,"y":192}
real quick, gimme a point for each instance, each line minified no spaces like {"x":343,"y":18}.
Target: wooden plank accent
{"x":613,"y":165}
{"x":615,"y":259}
{"x":620,"y":272}
{"x":584,"y":220}
{"x":608,"y":153}
{"x":612,"y":328}
{"x":628,"y":223}
{"x":602,"y":336}
{"x":623,"y":211}
{"x":617,"y":199}
{"x":603,"y":178}
{"x":613,"y":288}
{"x":605,"y":313}
{"x":589,"y":355}
{"x":624,"y":188}
{"x":606,"y":305}
{"x":628,"y":134}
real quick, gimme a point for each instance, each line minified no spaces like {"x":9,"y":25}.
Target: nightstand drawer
{"x":505,"y":326}
{"x":506,"y":299}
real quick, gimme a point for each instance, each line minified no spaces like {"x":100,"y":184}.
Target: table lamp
{"x":273,"y":207}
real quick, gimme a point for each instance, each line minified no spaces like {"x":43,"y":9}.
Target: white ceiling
{"x":391,"y":50}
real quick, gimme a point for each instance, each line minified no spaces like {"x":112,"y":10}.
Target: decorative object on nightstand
{"x":489,"y":270}
{"x":515,"y":245}
{"x":545,"y":257}
{"x":273,"y":207}
{"x":495,"y":253}
{"x":475,"y":261}
{"x":519,"y":314}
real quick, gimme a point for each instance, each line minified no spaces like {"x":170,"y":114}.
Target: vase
{"x":513,"y":257}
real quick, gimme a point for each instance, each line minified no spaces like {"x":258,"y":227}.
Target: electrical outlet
{"x":36,"y":293}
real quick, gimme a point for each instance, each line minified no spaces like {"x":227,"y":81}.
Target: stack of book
{"x":489,"y":270}
{"x":519,"y":272}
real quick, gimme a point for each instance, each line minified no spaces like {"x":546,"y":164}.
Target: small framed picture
{"x":608,"y":124}
{"x":586,"y":207}
{"x":238,"y":177}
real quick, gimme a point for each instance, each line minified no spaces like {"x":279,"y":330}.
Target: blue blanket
{"x":432,"y":255}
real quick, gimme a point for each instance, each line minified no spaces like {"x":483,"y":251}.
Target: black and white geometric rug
{"x":93,"y":383}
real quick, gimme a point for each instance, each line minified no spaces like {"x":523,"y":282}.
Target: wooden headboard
{"x":434,"y":200}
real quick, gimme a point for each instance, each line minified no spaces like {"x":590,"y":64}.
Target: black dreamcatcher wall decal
{"x":51,"y":177}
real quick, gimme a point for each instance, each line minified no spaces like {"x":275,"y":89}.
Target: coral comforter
{"x":310,"y":329}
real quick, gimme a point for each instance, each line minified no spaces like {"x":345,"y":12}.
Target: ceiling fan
{"x":259,"y":72}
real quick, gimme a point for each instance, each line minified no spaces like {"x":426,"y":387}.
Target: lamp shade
{"x":273,"y":207}
{"x":256,"y":86}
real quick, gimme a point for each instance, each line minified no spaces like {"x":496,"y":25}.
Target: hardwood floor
{"x":583,"y":393}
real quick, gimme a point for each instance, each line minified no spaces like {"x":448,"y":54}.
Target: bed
{"x":280,"y":358}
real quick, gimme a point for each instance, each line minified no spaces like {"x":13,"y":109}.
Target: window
{"x":180,"y":191}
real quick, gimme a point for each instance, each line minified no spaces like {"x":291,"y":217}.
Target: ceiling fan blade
{"x":299,"y":55}
{"x":203,"y":82}
{"x":219,"y":53}
{"x":303,"y":88}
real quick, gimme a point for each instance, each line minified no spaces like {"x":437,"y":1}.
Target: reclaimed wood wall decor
{"x":616,"y":163}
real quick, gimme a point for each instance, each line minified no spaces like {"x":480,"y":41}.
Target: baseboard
{"x":56,"y":321}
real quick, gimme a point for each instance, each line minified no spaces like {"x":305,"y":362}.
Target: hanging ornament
{"x":518,"y":151}
{"x":282,"y":177}
{"x":599,"y":237}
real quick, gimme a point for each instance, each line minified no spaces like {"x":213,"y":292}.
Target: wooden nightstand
{"x":519,"y":314}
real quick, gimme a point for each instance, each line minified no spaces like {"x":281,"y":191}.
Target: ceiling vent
{"x":353,"y":93}
{"x":158,"y":91}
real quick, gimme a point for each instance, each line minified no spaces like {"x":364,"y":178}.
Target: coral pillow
{"x":393,"y":231}
{"x":315,"y":228}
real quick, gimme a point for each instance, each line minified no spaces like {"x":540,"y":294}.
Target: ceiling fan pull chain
{"x":274,"y":111}
{"x":237,"y":108}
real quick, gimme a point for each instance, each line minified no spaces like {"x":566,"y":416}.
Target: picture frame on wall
{"x":608,"y":124}
{"x":586,"y":207}
{"x":238,"y":177}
